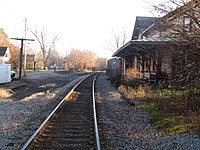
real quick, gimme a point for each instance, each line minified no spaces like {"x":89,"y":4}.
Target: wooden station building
{"x":153,"y":46}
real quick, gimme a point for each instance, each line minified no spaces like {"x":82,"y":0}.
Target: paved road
{"x":41,"y":74}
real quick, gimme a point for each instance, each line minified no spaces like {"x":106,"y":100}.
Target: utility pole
{"x":21,"y":53}
{"x":25,"y":47}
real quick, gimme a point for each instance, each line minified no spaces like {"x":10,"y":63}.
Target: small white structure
{"x":4,"y":55}
{"x":5,"y":73}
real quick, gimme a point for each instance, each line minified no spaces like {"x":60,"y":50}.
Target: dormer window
{"x":186,"y":24}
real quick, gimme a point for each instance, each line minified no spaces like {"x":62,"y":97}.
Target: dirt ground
{"x":35,"y":82}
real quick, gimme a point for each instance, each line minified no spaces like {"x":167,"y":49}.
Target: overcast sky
{"x":82,"y":24}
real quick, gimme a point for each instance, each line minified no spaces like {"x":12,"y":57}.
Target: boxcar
{"x":115,"y":67}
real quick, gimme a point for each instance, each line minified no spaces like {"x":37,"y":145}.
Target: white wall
{"x":5,"y":73}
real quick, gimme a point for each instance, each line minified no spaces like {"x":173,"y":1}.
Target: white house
{"x":4,"y":55}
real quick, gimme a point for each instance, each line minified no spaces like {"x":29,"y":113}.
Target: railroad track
{"x":72,"y":124}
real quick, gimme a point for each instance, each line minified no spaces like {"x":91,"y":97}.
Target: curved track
{"x":71,"y":125}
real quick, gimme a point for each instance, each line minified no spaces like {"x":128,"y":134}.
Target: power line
{"x":21,"y":52}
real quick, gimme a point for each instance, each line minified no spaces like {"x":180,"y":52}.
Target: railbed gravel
{"x":127,"y":127}
{"x":20,"y":118}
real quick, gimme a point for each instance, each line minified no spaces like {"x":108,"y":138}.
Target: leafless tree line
{"x":118,"y":39}
{"x":77,"y":59}
{"x":85,"y":60}
{"x":49,"y":54}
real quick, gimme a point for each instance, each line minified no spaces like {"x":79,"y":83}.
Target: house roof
{"x":3,"y":51}
{"x":142,"y":23}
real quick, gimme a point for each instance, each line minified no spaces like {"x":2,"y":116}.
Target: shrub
{"x":173,"y":110}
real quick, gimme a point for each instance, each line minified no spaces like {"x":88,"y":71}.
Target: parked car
{"x":12,"y":75}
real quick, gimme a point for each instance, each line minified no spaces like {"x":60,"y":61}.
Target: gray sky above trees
{"x":81,"y":24}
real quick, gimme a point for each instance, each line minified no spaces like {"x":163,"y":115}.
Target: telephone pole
{"x":21,"y":53}
{"x":25,"y":47}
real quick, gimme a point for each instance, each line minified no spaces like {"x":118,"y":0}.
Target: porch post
{"x":135,"y":62}
{"x":124,"y":66}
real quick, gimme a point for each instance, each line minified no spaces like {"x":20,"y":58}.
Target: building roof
{"x":142,"y":23}
{"x":3,"y":51}
{"x":135,"y":46}
{"x":187,"y":7}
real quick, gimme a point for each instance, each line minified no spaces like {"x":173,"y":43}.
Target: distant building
{"x":4,"y":55}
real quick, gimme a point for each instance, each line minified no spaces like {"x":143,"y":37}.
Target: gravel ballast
{"x":122,"y":126}
{"x":128,"y":127}
{"x":19,"y":118}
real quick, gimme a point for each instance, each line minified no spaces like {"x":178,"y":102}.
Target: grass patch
{"x":171,"y":111}
{"x":177,"y":129}
{"x":166,"y":123}
{"x":174,"y":111}
{"x":151,"y":108}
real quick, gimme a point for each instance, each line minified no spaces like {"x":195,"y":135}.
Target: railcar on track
{"x":115,"y":67}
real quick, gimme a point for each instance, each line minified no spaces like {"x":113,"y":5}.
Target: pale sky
{"x":81,"y":24}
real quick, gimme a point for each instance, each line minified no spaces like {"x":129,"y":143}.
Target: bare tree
{"x":15,"y":52}
{"x":101,"y":63}
{"x":118,"y":40}
{"x":81,"y":60}
{"x":44,"y":44}
{"x":166,"y":6}
{"x":4,"y":40}
{"x":54,"y":59}
{"x":38,"y":61}
{"x":73,"y":59}
{"x":183,"y":25}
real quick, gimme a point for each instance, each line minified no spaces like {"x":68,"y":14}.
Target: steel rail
{"x":47,"y":119}
{"x":95,"y":116}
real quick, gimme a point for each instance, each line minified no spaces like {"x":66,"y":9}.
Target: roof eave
{"x":121,"y":48}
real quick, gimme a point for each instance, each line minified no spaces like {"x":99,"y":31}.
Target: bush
{"x":173,"y":110}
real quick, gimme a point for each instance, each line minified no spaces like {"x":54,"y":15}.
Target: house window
{"x":187,"y":24}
